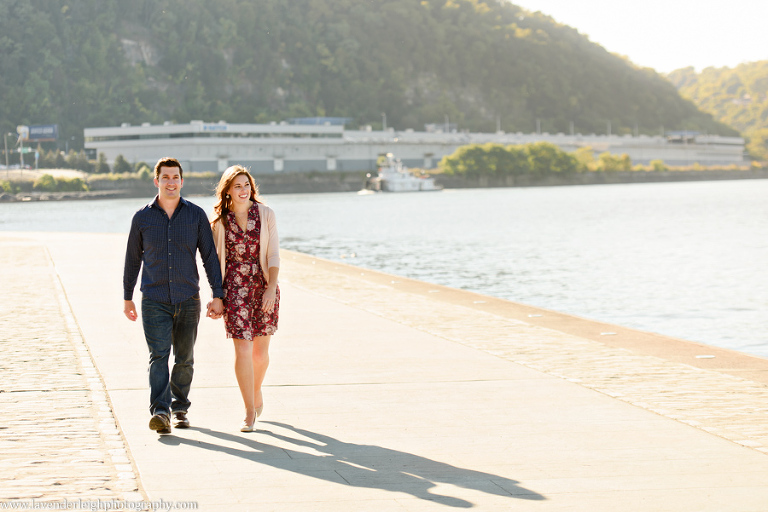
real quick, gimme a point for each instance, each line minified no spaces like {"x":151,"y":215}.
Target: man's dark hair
{"x":168,"y":162}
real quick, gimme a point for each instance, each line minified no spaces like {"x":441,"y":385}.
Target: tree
{"x":60,"y":161}
{"x":71,"y":185}
{"x":145,"y":174}
{"x":546,"y":158}
{"x":586,"y":157}
{"x":516,"y":160}
{"x":102,"y":167}
{"x":736,"y":96}
{"x":78,"y":161}
{"x":121,"y":165}
{"x":45,"y":183}
{"x":540,"y":158}
{"x":138,"y":166}
{"x":609,"y":162}
{"x":758,"y":143}
{"x":47,"y":160}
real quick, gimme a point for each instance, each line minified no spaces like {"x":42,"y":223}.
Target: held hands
{"x":216,"y":306}
{"x":215,"y":309}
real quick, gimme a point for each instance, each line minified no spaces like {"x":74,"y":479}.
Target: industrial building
{"x":287,"y":147}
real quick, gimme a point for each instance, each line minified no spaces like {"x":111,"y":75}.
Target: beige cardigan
{"x":269,"y":247}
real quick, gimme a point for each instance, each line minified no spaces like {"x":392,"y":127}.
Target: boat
{"x":393,"y":176}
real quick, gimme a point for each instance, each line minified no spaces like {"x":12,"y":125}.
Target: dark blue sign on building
{"x":333,"y":121}
{"x":43,"y":132}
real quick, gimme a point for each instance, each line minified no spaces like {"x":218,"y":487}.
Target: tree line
{"x":75,"y":160}
{"x":482,"y":64}
{"x":78,"y":160}
{"x":54,"y":159}
{"x":736,"y":96}
{"x":535,"y":159}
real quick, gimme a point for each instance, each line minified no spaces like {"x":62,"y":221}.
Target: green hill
{"x":737,"y":97}
{"x":89,"y":63}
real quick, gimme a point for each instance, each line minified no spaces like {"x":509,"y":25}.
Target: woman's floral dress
{"x":244,"y":283}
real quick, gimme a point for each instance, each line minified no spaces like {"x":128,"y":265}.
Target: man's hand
{"x":130,"y":310}
{"x":215,"y":309}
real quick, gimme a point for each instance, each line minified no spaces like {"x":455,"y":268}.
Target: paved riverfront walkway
{"x":384,"y":394}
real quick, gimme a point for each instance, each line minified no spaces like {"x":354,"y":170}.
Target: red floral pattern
{"x":244,"y":283}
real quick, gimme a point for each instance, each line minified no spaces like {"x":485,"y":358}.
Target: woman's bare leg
{"x":244,"y":374}
{"x":260,"y":361}
{"x":251,"y":362}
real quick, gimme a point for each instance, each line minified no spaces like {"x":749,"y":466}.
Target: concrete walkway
{"x":383,"y":394}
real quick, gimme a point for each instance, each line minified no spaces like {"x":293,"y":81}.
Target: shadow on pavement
{"x":359,"y":465}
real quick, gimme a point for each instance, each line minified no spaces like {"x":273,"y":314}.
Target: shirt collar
{"x":153,"y":203}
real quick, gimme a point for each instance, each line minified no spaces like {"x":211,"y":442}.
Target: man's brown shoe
{"x":160,"y":423}
{"x":180,"y":419}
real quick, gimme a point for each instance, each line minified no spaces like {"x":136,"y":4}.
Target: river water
{"x":682,"y":259}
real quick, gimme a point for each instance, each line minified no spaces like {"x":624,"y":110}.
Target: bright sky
{"x":668,"y":34}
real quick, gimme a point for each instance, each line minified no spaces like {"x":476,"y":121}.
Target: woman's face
{"x":240,"y":189}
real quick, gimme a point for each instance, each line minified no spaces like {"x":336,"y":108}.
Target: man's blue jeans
{"x":169,"y":326}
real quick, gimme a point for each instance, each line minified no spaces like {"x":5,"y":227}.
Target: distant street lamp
{"x":23,"y":132}
{"x":5,"y":141}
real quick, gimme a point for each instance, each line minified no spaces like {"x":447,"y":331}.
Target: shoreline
{"x":310,"y":183}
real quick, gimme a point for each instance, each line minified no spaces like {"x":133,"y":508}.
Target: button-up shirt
{"x":167,"y":248}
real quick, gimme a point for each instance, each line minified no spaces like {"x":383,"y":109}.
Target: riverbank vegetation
{"x":477,"y":65}
{"x":140,"y":182}
{"x":44,"y":183}
{"x":543,"y":159}
{"x":77,"y":160}
{"x":491,"y":159}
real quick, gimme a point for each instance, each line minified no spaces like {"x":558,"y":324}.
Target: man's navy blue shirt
{"x":168,"y":249}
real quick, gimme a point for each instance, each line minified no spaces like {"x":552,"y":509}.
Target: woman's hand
{"x":268,"y":301}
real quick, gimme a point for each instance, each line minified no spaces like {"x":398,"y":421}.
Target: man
{"x":165,"y":237}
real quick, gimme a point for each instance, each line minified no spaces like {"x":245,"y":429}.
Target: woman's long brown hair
{"x":223,"y":201}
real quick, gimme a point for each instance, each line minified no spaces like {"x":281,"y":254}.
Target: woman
{"x":245,"y":233}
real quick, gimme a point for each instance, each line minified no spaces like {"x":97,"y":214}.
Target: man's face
{"x":169,"y":183}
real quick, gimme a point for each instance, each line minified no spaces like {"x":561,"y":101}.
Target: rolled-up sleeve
{"x":209,"y":256}
{"x":273,"y":252}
